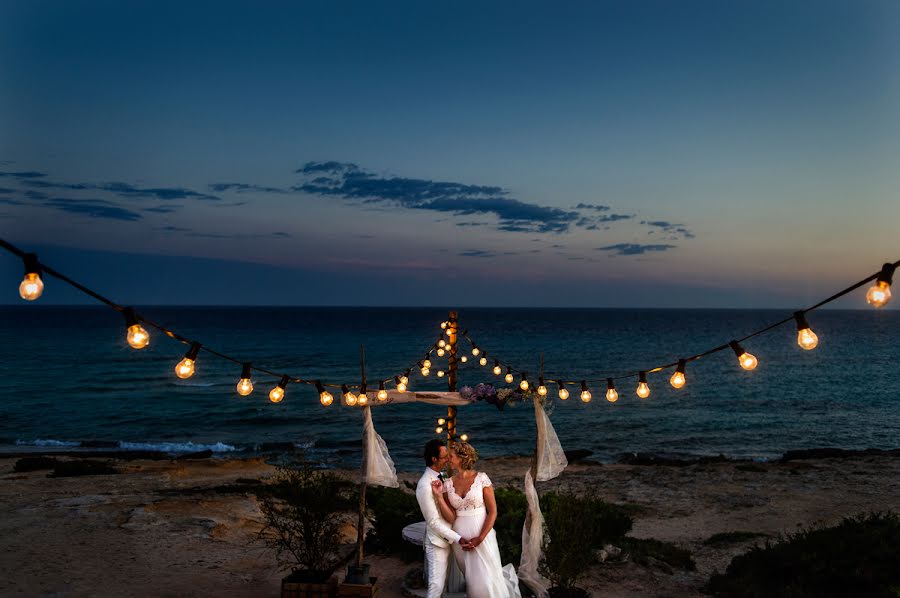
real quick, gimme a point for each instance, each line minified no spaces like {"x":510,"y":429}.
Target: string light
{"x":483,"y":360}
{"x":424,"y":369}
{"x":137,"y":337}
{"x":185,"y":367}
{"x":542,"y":390}
{"x":362,"y":399}
{"x":497,"y":369}
{"x":806,"y":338}
{"x":443,"y":325}
{"x":404,"y":379}
{"x":438,"y":430}
{"x":678,"y":380}
{"x":31,"y":286}
{"x":440,"y":352}
{"x":585,"y":393}
{"x":611,"y":394}
{"x":349,"y":397}
{"x":643,"y":389}
{"x":464,"y":359}
{"x":426,"y":363}
{"x":449,"y":331}
{"x":441,"y":421}
{"x":325,"y":397}
{"x":464,"y":437}
{"x":442,"y":343}
{"x":523,"y":384}
{"x":475,"y":350}
{"x":245,"y":385}
{"x":747,"y":361}
{"x":563,"y":392}
{"x":509,"y":376}
{"x":401,"y":385}
{"x":879,"y":294}
{"x":382,"y":393}
{"x":277,"y":394}
{"x":440,"y":373}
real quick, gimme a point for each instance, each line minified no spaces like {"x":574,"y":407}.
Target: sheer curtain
{"x":378,"y":467}
{"x":550,"y":460}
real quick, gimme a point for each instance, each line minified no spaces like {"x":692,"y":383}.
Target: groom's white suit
{"x":439,"y":535}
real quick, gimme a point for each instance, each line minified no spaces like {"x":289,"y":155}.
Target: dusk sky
{"x":608,"y":154}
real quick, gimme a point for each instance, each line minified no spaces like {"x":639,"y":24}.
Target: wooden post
{"x":361,"y":523}
{"x":453,"y":365}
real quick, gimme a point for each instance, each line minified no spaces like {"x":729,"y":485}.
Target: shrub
{"x":511,"y":509}
{"x":303,"y":511}
{"x":35,"y":463}
{"x":726,"y":538}
{"x":663,"y":555}
{"x":64,"y":469}
{"x":392,"y":509}
{"x":576,"y":526}
{"x":858,"y":557}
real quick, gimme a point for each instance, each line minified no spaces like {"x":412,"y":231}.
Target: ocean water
{"x":69,"y":377}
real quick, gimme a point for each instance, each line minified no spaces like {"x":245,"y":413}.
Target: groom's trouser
{"x":436,"y":560}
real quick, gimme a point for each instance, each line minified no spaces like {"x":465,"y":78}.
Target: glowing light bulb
{"x":440,"y":373}
{"x":643,"y":389}
{"x":325,"y":397}
{"x":404,"y":379}
{"x":611,"y":394}
{"x":425,"y":371}
{"x":245,"y":385}
{"x":137,"y":337}
{"x":678,"y":380}
{"x":362,"y":399}
{"x":747,"y":361}
{"x":523,"y":384}
{"x":382,"y":393}
{"x":426,"y":363}
{"x":497,"y":369}
{"x":585,"y":393}
{"x":475,"y":350}
{"x":879,"y":294}
{"x":509,"y":376}
{"x":442,"y":343}
{"x":440,"y":352}
{"x":464,"y":437}
{"x":806,"y":338}
{"x":443,"y":325}
{"x":542,"y":390}
{"x":563,"y":392}
{"x":438,"y":430}
{"x":31,"y":286}
{"x":277,"y":393}
{"x":349,"y":397}
{"x":464,"y":359}
{"x":482,"y":361}
{"x":449,"y":332}
{"x":441,"y":421}
{"x":185,"y":367}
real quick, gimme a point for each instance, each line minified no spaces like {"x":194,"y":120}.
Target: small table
{"x":456,"y":582}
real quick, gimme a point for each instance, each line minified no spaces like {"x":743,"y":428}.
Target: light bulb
{"x":404,"y":379}
{"x":382,"y":393}
{"x":585,"y":393}
{"x":31,"y":286}
{"x":185,"y":368}
{"x":440,"y":352}
{"x":325,"y":397}
{"x":678,"y":380}
{"x":245,"y":385}
{"x":443,"y":325}
{"x":806,"y":338}
{"x":509,"y":376}
{"x":350,"y":399}
{"x":362,"y":399}
{"x":542,"y":390}
{"x":425,"y":371}
{"x":441,"y":421}
{"x":482,"y":361}
{"x":401,"y":387}
{"x":464,"y":359}
{"x":643,"y":389}
{"x":438,"y":430}
{"x":475,"y":350}
{"x":440,"y":373}
{"x":276,"y":394}
{"x":523,"y":384}
{"x":426,"y":363}
{"x":441,"y":343}
{"x":563,"y":392}
{"x":449,"y":331}
{"x":464,"y":437}
{"x":747,"y":361}
{"x":879,"y":294}
{"x":496,"y":369}
{"x":611,"y":394}
{"x":137,"y":337}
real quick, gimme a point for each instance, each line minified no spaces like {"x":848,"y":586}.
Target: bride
{"x":467,"y":501}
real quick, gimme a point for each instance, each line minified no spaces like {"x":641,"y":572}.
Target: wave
{"x":48,"y":442}
{"x":177,"y":447}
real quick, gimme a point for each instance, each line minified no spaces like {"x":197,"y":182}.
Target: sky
{"x":578,"y":154}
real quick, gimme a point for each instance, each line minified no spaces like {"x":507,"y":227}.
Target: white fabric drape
{"x":551,"y":461}
{"x":378,"y":467}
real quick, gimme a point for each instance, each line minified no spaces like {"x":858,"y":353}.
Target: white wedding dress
{"x":485,"y":576}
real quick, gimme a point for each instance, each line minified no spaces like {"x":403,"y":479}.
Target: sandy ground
{"x":160,"y":529}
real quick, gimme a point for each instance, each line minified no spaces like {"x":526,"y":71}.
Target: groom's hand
{"x":465,"y":544}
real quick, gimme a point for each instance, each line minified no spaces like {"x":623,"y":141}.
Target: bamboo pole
{"x":361,"y":523}
{"x":452,"y":368}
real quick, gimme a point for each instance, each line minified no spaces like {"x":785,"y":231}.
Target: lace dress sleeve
{"x":485,"y":480}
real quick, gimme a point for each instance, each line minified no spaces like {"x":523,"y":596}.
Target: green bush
{"x":858,"y":557}
{"x":303,"y":512}
{"x":511,"y":509}
{"x":663,"y":555}
{"x":577,"y":525}
{"x":392,"y":509}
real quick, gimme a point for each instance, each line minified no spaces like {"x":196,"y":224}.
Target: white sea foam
{"x":47,"y":442}
{"x":177,"y":447}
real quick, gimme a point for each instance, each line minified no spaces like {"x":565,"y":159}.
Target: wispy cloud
{"x":125,"y":190}
{"x":634,"y":248}
{"x":95,"y":208}
{"x":244,"y":188}
{"x":675,"y":231}
{"x":476,"y":253}
{"x":22,"y":175}
{"x":590,"y":206}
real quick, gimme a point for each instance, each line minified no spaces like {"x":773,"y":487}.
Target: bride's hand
{"x":437,"y":487}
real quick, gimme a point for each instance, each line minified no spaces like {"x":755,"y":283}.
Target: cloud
{"x":476,"y":253}
{"x":349,"y":181}
{"x":95,"y":208}
{"x":241,"y":236}
{"x":590,"y":206}
{"x":676,"y":231}
{"x":634,"y":248}
{"x":244,"y":188}
{"x":126,"y":190}
{"x":22,"y":175}
{"x":174,"y":229}
{"x":163,"y":209}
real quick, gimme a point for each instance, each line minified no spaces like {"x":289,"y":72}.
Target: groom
{"x":439,"y":535}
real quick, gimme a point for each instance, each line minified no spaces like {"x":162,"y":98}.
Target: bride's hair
{"x":466,"y":453}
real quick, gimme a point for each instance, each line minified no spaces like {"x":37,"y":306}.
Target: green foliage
{"x":858,"y":557}
{"x":654,"y":553}
{"x":511,"y":509}
{"x":64,"y":469}
{"x":303,"y":511}
{"x":35,"y":463}
{"x":577,"y":525}
{"x":726,"y":538}
{"x":392,"y":509}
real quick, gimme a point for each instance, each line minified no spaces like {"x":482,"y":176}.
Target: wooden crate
{"x":309,"y":590}
{"x":353,"y":590}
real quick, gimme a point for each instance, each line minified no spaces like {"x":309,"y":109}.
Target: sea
{"x":70,"y":381}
